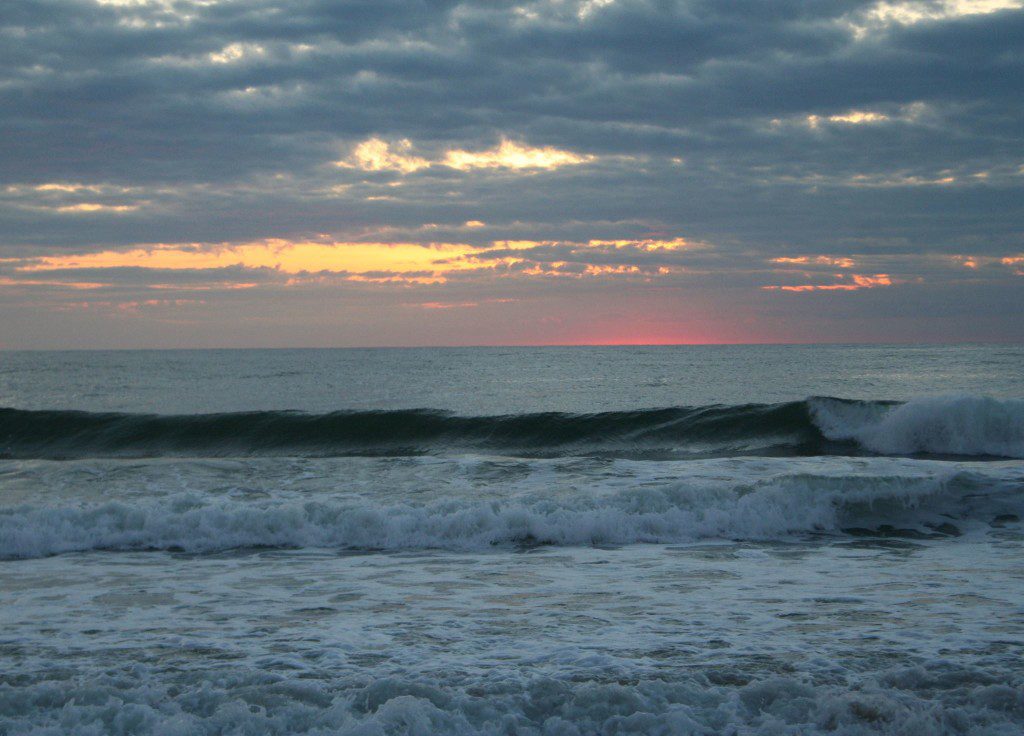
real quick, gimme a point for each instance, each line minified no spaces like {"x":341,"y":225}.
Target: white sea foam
{"x":950,"y":425}
{"x":679,"y":512}
{"x":959,"y":701}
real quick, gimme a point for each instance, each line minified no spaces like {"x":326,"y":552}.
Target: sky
{"x":292,"y":173}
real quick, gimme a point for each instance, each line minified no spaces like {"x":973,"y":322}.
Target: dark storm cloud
{"x":131,"y":91}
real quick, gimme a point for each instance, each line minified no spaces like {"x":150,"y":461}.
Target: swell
{"x":68,"y":434}
{"x":935,"y":506}
{"x":942,"y":426}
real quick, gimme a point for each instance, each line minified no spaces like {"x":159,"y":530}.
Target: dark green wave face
{"x":948,"y":427}
{"x":710,"y":431}
{"x":704,"y":431}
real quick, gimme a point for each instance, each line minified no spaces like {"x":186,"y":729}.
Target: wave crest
{"x":939,"y":425}
{"x":964,"y":425}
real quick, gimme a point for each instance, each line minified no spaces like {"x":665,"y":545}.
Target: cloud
{"x":372,"y":262}
{"x":95,"y":207}
{"x":511,"y":155}
{"x":841,"y":262}
{"x":851,"y":282}
{"x":886,"y":13}
{"x":540,"y":142}
{"x":281,"y":256}
{"x":375,"y":154}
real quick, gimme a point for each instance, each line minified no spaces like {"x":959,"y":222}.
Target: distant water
{"x":693,"y":540}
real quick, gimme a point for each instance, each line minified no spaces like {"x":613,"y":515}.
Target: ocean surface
{"x":692,"y":540}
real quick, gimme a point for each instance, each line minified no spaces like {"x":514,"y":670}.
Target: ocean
{"x":624,"y":540}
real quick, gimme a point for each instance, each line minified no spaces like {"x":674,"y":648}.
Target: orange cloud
{"x":372,"y":262}
{"x":857,"y":281}
{"x":283,"y":256}
{"x":445,"y":305}
{"x":7,"y":281}
{"x":1015,"y":262}
{"x":841,"y":262}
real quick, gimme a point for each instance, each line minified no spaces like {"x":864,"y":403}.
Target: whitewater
{"x":748,"y":540}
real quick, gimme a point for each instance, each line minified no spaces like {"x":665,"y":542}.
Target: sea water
{"x":692,"y":540}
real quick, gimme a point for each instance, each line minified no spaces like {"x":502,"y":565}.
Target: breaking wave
{"x":932,"y":506}
{"x":947,"y":426}
{"x":941,"y":425}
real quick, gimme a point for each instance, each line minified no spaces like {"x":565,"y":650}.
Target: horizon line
{"x":866,"y":343}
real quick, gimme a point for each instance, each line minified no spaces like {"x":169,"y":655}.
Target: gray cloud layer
{"x":892,"y":131}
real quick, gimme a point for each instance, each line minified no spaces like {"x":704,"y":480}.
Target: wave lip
{"x":964,"y":426}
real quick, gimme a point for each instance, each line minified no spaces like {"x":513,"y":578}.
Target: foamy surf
{"x":538,"y":554}
{"x":914,"y":503}
{"x":939,"y":425}
{"x":938,"y":698}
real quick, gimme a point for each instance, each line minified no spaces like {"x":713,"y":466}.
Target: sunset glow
{"x":289,"y":258}
{"x":374,"y":261}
